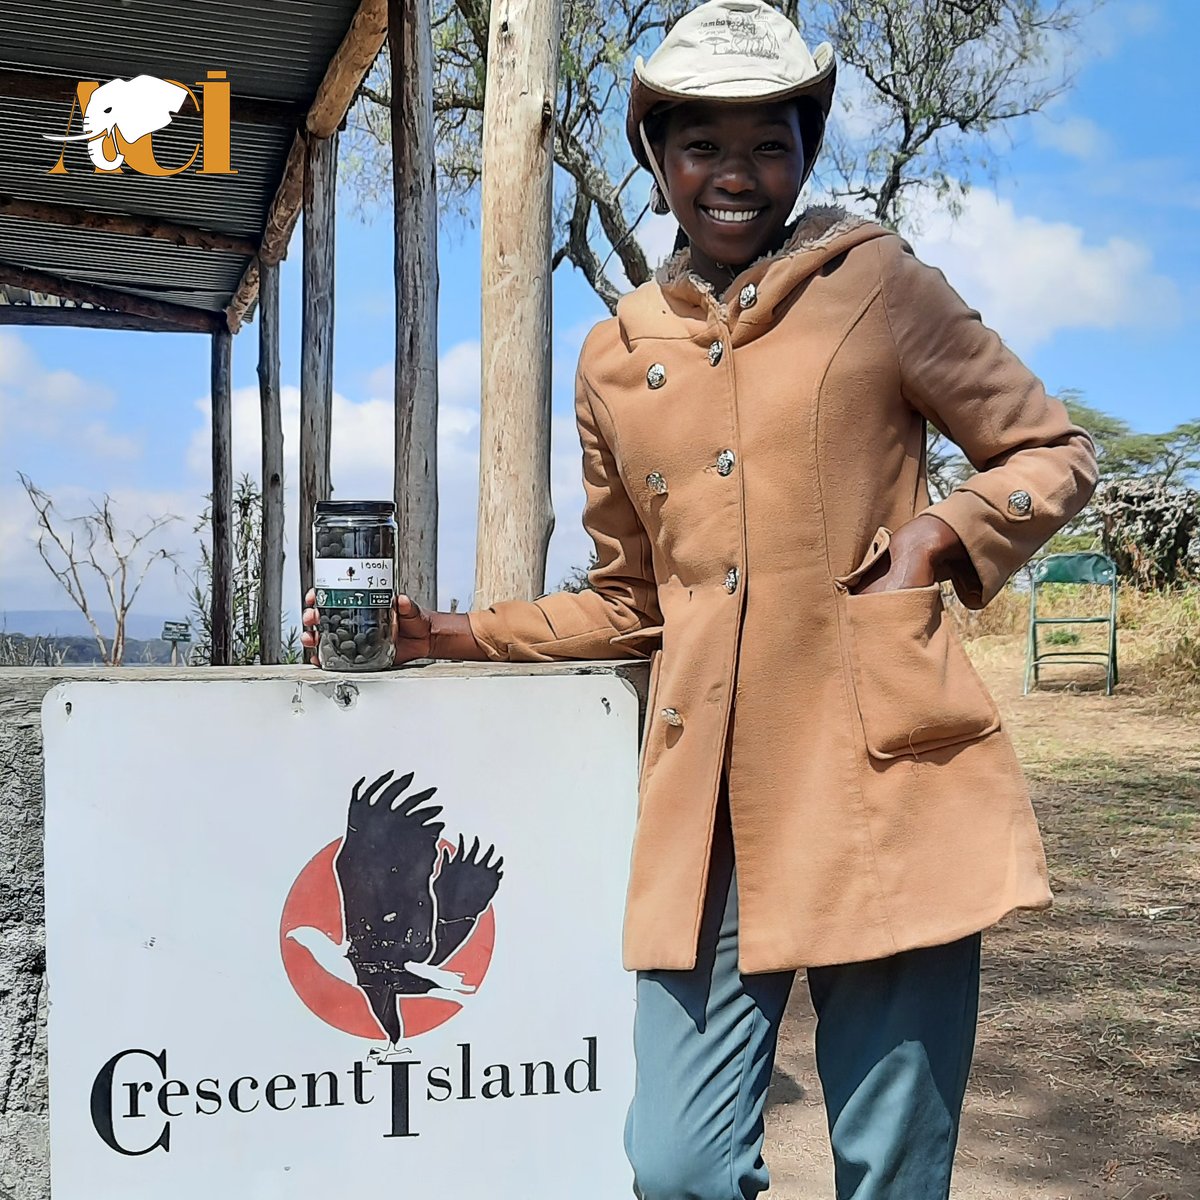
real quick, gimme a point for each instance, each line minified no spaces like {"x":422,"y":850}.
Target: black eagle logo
{"x":408,"y":903}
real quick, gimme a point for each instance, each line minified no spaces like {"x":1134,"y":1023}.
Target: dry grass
{"x":1158,"y":637}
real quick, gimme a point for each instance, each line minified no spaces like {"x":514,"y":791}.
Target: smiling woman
{"x":825,"y":783}
{"x":732,"y":174}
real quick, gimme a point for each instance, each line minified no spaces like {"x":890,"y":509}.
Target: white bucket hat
{"x":735,"y":51}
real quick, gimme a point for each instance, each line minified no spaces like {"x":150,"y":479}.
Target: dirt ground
{"x":1086,"y":1081}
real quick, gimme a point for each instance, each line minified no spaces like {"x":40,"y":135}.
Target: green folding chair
{"x":1090,"y":568}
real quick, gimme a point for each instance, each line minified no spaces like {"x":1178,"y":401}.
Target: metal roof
{"x":275,"y":53}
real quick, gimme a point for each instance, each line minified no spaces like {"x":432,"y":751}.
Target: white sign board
{"x":281,"y":964}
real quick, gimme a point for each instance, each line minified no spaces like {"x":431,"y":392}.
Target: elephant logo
{"x":120,"y":116}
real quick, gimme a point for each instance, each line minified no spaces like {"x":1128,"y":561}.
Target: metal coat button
{"x":656,"y":376}
{"x":1020,"y":503}
{"x":715,"y":353}
{"x":725,"y":461}
{"x":656,"y":483}
{"x":749,"y":296}
{"x":731,"y":579}
{"x":672,"y":717}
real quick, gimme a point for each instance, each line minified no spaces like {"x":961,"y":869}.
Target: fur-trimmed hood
{"x":677,"y":292}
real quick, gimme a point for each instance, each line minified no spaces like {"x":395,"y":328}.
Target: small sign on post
{"x":176,"y":632}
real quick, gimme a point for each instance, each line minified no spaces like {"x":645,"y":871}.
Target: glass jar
{"x":354,"y":564}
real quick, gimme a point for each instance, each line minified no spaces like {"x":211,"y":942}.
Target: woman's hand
{"x":921,"y":552}
{"x":411,"y":629}
{"x":416,"y":632}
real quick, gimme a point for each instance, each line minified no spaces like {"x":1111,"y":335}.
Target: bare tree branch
{"x":113,"y":554}
{"x":924,"y":86}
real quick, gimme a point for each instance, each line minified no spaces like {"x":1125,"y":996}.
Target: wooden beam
{"x":316,"y":340}
{"x":222,"y":498}
{"x":124,"y":223}
{"x":244,"y":110}
{"x":198,"y":320}
{"x":286,"y":205}
{"x":349,"y":65}
{"x":61,"y":316}
{"x":277,"y":232}
{"x":516,"y":517}
{"x":270,"y":603}
{"x":335,"y":94}
{"x":416,"y":281}
{"x":245,"y":296}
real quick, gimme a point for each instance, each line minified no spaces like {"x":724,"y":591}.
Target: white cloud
{"x":361,"y":466}
{"x":43,"y":403}
{"x":1076,"y":136}
{"x":459,"y":375}
{"x":657,"y":236}
{"x":1032,"y":278}
{"x":103,"y":443}
{"x":1112,"y":26}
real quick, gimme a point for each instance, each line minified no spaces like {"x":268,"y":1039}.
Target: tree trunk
{"x":316,"y":338}
{"x":270,"y":603}
{"x":416,"y":276}
{"x":515,"y":513}
{"x":222,"y":497}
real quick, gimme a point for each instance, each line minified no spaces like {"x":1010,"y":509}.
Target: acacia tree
{"x":91,"y":547}
{"x":924,"y":87}
{"x":930,"y":82}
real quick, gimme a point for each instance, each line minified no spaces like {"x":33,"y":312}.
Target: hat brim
{"x":644,"y":97}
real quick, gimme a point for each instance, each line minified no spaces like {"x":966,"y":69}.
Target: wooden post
{"x":316,"y":336}
{"x":270,"y":605}
{"x":515,"y":513}
{"x":416,"y":275}
{"x":222,"y":498}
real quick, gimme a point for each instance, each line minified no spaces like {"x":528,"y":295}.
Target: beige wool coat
{"x":744,"y":462}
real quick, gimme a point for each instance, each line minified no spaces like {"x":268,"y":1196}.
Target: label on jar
{"x":353,"y":582}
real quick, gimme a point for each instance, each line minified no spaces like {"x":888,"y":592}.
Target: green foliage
{"x":1061,"y":637}
{"x":1173,"y":457}
{"x":1071,"y":543}
{"x":576,"y":580}
{"x":247,"y":583}
{"x":1151,"y":529}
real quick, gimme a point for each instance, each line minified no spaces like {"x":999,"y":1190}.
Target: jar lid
{"x":356,"y":508}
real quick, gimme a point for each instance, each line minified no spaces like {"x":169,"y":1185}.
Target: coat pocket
{"x":915,"y":687}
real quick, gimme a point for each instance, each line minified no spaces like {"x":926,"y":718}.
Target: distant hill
{"x":78,"y":651}
{"x":70,"y":623}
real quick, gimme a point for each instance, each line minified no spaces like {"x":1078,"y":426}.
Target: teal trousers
{"x":893,"y":1044}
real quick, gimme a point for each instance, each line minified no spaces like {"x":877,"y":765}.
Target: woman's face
{"x":733,"y":172}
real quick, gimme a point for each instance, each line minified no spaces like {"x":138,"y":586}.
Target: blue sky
{"x":1083,"y":251}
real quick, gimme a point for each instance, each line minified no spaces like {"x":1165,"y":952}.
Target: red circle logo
{"x":418,"y":908}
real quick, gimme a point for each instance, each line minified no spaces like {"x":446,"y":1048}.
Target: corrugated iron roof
{"x":276,"y":49}
{"x":272,"y":50}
